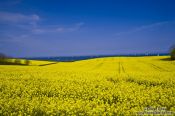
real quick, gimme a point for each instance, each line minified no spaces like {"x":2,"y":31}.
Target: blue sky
{"x":85,"y":27}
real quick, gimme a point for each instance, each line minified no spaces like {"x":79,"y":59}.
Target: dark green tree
{"x":18,"y":61}
{"x":27,"y":62}
{"x":172,"y":53}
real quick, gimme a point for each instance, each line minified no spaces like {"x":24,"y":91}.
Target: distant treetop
{"x":172,"y":52}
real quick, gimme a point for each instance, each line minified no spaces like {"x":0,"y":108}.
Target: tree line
{"x":7,"y":60}
{"x":4,"y":59}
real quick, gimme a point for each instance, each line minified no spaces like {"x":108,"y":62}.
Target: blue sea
{"x":77,"y":58}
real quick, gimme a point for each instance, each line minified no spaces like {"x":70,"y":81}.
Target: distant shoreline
{"x":77,"y":58}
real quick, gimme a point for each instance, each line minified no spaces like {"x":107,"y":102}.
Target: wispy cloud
{"x":57,"y":28}
{"x":8,"y":3}
{"x":76,"y":27}
{"x":144,"y":27}
{"x":13,"y":38}
{"x":18,"y":27}
{"x":8,"y":17}
{"x":30,"y":23}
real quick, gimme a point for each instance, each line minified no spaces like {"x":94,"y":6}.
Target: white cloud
{"x":76,"y":27}
{"x":57,"y":28}
{"x":144,"y":27}
{"x":6,"y":3}
{"x":9,"y":17}
{"x":30,"y":23}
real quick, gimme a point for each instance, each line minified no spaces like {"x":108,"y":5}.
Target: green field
{"x":101,"y":86}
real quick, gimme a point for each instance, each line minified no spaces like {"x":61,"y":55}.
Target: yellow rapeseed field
{"x":102,"y":86}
